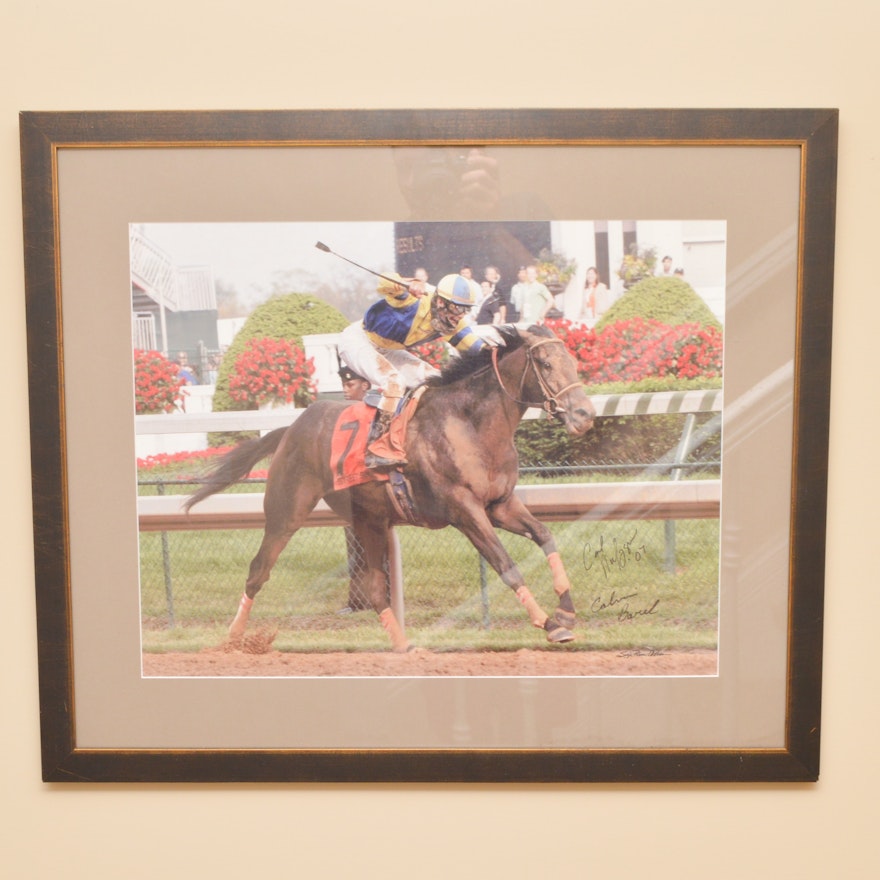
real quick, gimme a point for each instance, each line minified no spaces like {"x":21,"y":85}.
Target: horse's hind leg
{"x":260,"y":569}
{"x":372,"y":533}
{"x":285,"y":514}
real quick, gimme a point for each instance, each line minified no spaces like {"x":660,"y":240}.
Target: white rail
{"x":681,"y":499}
{"x":605,"y":404}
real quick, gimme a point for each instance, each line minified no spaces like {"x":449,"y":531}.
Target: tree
{"x":229,"y":303}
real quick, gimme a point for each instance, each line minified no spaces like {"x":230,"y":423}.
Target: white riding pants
{"x":391,"y":370}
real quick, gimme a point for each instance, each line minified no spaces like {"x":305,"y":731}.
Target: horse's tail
{"x":235,"y":465}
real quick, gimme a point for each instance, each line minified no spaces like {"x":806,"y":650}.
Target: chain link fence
{"x":196,"y":576}
{"x":640,"y":567}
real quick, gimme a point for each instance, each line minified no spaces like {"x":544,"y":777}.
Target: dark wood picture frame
{"x":44,"y":135}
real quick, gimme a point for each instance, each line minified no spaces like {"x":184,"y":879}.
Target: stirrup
{"x":378,"y":433}
{"x":373,"y":461}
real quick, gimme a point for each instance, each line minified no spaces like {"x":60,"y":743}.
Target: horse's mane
{"x":461,"y":367}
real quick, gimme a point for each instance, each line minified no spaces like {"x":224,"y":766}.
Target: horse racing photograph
{"x":429,"y":448}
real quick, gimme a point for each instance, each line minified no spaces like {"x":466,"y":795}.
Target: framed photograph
{"x":638,"y":302}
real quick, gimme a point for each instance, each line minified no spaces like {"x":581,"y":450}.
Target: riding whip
{"x":323,"y":247}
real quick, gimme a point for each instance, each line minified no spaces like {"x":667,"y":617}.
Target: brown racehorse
{"x":462,"y":468}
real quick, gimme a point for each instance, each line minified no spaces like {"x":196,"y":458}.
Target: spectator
{"x":354,"y":386}
{"x":211,"y":370}
{"x":665,"y":270}
{"x":597,"y":298}
{"x":531,"y":299}
{"x":185,"y":371}
{"x":492,"y":308}
{"x":493,"y":276}
{"x":512,"y":312}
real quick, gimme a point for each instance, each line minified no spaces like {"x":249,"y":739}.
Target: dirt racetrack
{"x":524,"y":663}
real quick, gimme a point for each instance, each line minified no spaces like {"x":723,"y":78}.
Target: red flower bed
{"x":157,"y":387}
{"x":162,"y":460}
{"x":636,"y":349}
{"x":273,"y":370}
{"x":167,"y":459}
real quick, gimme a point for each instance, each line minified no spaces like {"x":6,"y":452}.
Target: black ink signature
{"x":599,"y":604}
{"x":627,"y":615}
{"x":616,"y":556}
{"x":643,"y":652}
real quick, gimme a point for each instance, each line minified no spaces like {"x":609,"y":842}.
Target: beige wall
{"x":193,"y":55}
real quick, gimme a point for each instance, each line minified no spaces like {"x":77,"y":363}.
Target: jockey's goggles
{"x":453,"y":308}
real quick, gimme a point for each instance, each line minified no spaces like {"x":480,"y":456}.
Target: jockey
{"x":409,"y":314}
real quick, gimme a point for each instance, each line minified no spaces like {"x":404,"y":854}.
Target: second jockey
{"x":409,"y":314}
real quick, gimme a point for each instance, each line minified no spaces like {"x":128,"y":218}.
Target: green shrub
{"x":655,"y":384}
{"x":285,"y":316}
{"x":289,"y":316}
{"x":668,"y":300}
{"x":642,"y":439}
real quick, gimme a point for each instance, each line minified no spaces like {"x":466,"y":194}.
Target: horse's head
{"x":550,"y":380}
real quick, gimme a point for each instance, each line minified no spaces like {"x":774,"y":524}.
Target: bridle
{"x":550,"y":403}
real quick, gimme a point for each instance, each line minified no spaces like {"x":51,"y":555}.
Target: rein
{"x":550,"y":403}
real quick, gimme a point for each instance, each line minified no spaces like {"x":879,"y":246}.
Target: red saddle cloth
{"x":348,"y":445}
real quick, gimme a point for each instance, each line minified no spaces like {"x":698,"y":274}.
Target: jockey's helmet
{"x":459,"y":290}
{"x":454,"y":297}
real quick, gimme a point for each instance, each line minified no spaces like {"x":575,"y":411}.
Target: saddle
{"x":348,"y":447}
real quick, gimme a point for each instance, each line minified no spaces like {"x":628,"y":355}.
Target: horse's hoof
{"x":558,"y":635}
{"x":565,"y":618}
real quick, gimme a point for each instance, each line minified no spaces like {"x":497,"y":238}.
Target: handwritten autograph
{"x":625,"y":613}
{"x":617,"y":556}
{"x":643,"y":652}
{"x":599,"y":604}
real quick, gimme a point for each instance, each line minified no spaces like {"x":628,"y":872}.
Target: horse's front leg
{"x":479,"y":529}
{"x":513,"y":516}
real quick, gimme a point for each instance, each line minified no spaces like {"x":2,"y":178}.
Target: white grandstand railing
{"x":606,"y":405}
{"x":187,"y":288}
{"x":195,"y":288}
{"x":143,"y":332}
{"x":152,"y":270}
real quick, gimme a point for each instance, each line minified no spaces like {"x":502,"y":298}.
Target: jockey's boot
{"x":381,"y":451}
